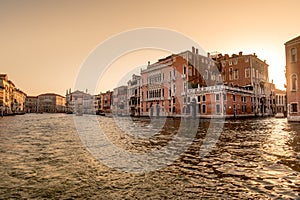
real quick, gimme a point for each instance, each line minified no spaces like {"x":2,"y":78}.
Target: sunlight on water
{"x":42,"y":156}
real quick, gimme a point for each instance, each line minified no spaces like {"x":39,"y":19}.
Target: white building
{"x":79,"y":102}
{"x":133,"y":95}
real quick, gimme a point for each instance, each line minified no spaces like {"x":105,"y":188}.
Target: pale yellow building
{"x":12,"y":99}
{"x":51,"y":103}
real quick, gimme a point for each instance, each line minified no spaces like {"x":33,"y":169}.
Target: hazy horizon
{"x":44,"y":43}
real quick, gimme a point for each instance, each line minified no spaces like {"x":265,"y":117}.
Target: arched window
{"x":294,"y":82}
{"x":293,"y":55}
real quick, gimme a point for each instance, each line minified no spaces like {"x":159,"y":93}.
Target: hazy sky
{"x":44,"y":43}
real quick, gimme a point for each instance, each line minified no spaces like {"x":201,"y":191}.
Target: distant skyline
{"x":44,"y":43}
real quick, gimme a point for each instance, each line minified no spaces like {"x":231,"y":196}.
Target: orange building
{"x":165,"y":84}
{"x":292,"y":52}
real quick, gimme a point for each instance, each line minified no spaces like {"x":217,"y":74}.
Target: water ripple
{"x":42,"y":156}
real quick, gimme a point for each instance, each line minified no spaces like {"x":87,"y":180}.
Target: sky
{"x":43,"y":44}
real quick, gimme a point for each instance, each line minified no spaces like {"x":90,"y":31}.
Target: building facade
{"x":51,"y":103}
{"x":31,"y":104}
{"x":292,"y":55}
{"x":214,"y":85}
{"x":134,"y":95}
{"x":12,"y":99}
{"x":220,"y":101}
{"x":106,"y":100}
{"x":79,"y":102}
{"x":119,"y":101}
{"x":280,"y":101}
{"x":162,"y":87}
{"x":248,"y":72}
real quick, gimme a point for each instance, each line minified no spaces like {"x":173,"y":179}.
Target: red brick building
{"x":292,"y":52}
{"x":207,"y":86}
{"x":106,"y":101}
{"x":248,"y":72}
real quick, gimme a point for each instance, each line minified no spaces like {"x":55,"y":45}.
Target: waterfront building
{"x":31,"y":104}
{"x":12,"y":99}
{"x":248,"y":72}
{"x":220,"y":101}
{"x":161,"y":90}
{"x":280,"y":101}
{"x":51,"y":103}
{"x":106,"y":99}
{"x":79,"y":102}
{"x":97,"y":103}
{"x":119,"y":102}
{"x":191,"y":84}
{"x":292,"y":52}
{"x":134,"y":95}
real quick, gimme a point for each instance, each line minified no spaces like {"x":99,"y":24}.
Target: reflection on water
{"x":42,"y":156}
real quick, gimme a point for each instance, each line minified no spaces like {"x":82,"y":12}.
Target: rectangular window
{"x":294,"y":107}
{"x":199,"y":99}
{"x":247,"y":73}
{"x":293,"y":55}
{"x":230,"y":62}
{"x":217,"y":97}
{"x":244,"y":108}
{"x":230,"y":74}
{"x":236,"y":74}
{"x":218,"y":108}
{"x":203,"y":108}
{"x":224,"y":75}
{"x":233,"y":97}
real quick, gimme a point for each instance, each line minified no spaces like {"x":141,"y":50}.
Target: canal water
{"x":45,"y":156}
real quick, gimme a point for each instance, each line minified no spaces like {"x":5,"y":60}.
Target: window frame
{"x":293,"y":55}
{"x":294,"y":89}
{"x":291,"y":107}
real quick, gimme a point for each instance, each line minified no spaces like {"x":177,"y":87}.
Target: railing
{"x":216,"y":88}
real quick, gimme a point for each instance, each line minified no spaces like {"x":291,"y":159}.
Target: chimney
{"x":148,"y":63}
{"x":240,"y":53}
{"x":196,"y":51}
{"x":254,"y":54}
{"x":208,"y":54}
{"x":193,"y":49}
